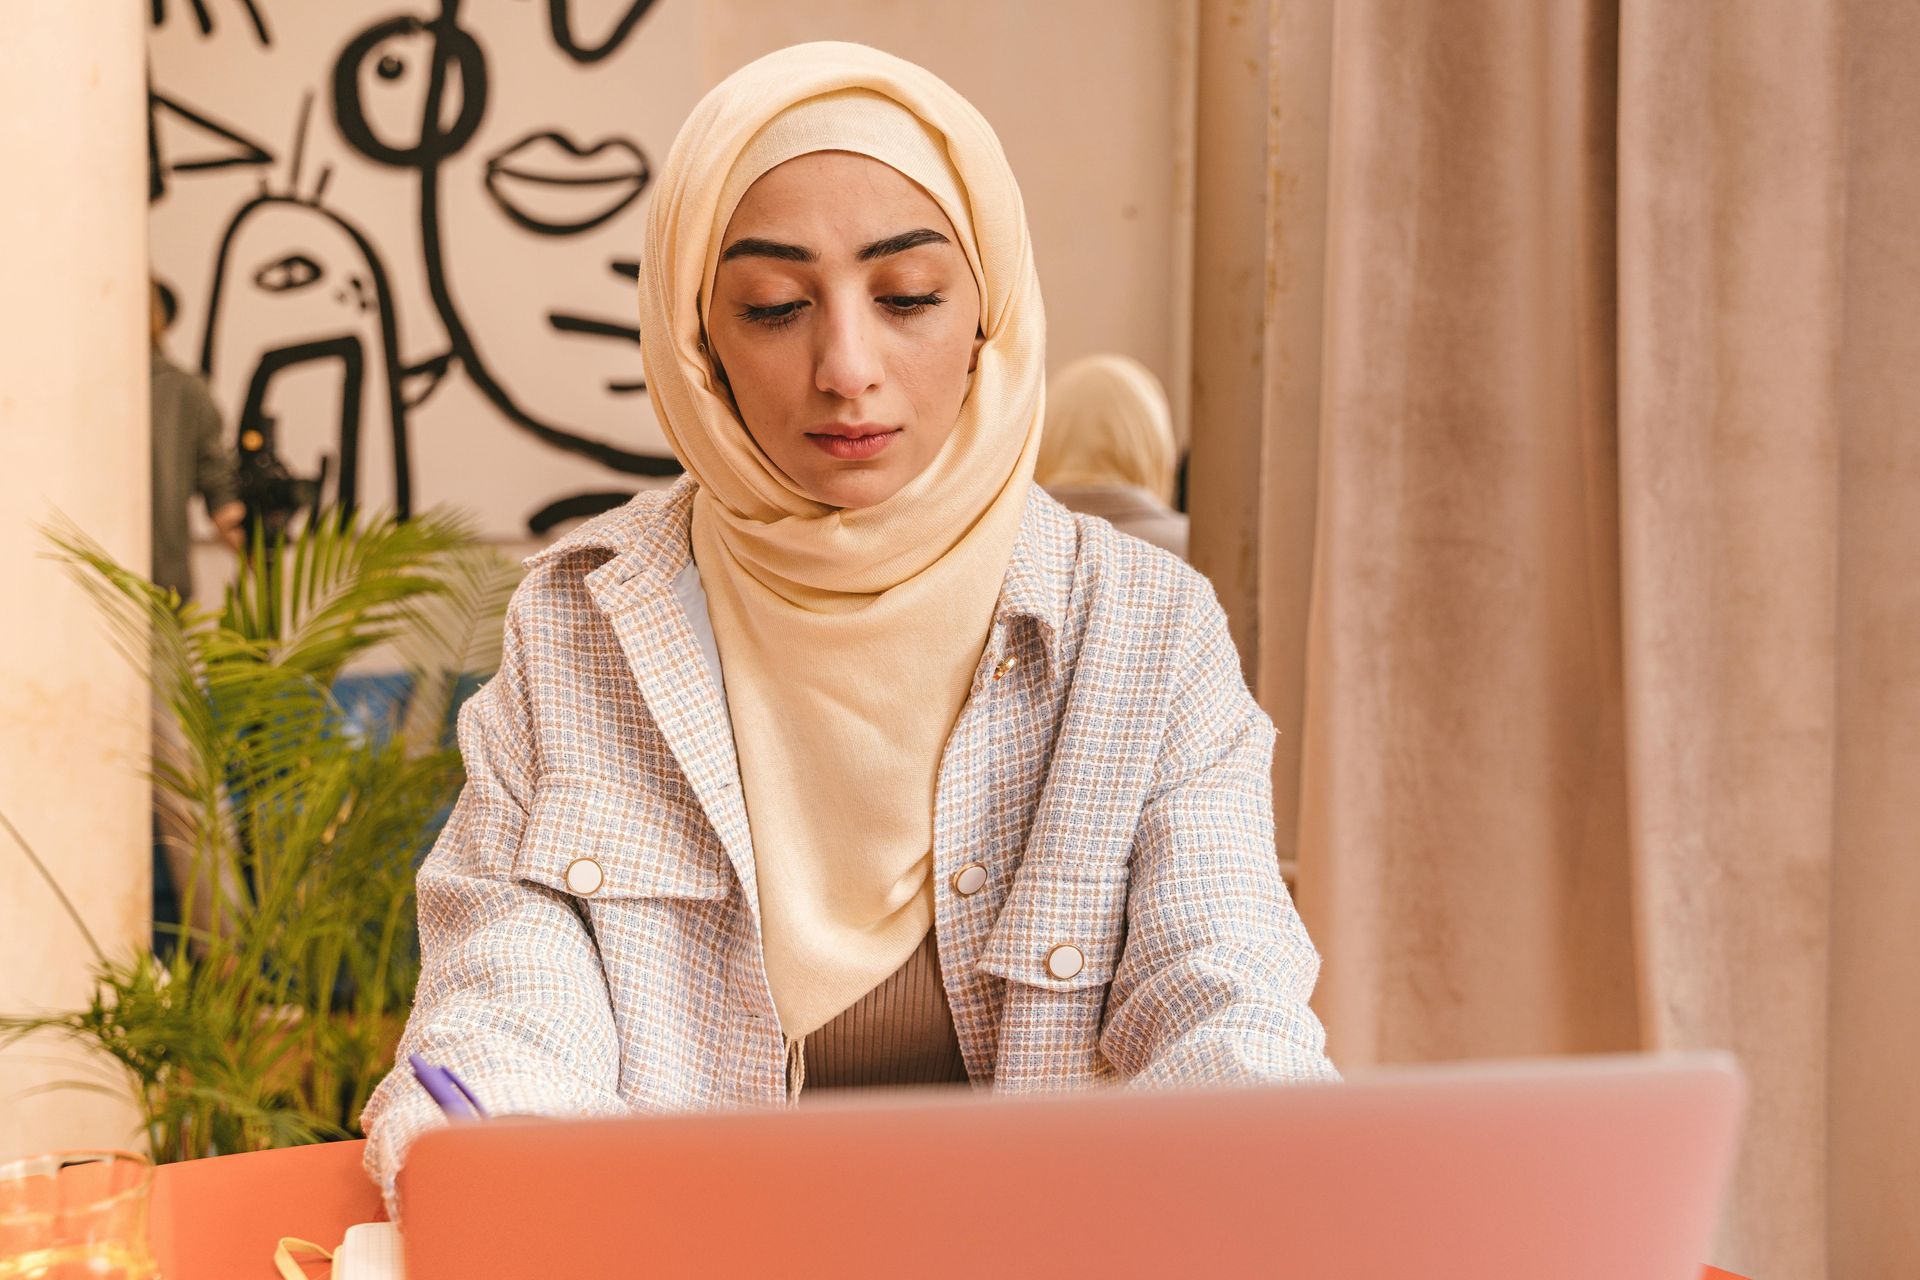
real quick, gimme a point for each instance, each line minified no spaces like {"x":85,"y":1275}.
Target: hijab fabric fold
{"x":848,"y":638}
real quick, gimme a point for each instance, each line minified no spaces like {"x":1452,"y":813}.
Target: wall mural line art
{"x":316,"y":297}
{"x":560,"y":17}
{"x":592,"y":184}
{"x":444,"y":64}
{"x":428,"y":294}
{"x":577,"y":507}
{"x":327,"y":304}
{"x":181,"y":141}
{"x":204,"y":16}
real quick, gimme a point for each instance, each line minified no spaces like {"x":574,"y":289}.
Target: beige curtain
{"x":1598,"y":325}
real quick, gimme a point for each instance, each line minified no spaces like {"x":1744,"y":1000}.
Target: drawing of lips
{"x":550,"y":185}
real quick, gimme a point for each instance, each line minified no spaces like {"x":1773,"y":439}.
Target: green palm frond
{"x":271,"y":1026}
{"x":456,"y":633}
{"x":344,"y":586}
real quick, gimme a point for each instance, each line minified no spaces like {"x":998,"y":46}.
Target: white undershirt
{"x":693,"y":602}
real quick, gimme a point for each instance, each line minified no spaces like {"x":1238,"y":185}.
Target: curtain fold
{"x":1462,"y":791}
{"x":1610,"y":695}
{"x":1732,"y":236}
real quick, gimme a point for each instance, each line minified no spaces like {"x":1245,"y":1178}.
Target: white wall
{"x":73,"y":440}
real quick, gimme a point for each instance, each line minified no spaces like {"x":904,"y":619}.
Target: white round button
{"x":969,"y":879}
{"x":1065,"y":960}
{"x":584,"y":876}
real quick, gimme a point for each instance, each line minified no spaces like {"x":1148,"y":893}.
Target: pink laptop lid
{"x":1594,"y":1169}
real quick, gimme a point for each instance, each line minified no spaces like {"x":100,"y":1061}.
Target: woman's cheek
{"x":767,"y":370}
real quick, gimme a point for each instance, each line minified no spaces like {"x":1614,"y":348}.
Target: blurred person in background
{"x":188,"y":458}
{"x":1109,"y":449}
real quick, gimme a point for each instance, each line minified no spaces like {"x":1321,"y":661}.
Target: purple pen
{"x":446,"y":1089}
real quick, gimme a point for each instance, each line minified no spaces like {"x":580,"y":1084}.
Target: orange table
{"x":220,"y":1219}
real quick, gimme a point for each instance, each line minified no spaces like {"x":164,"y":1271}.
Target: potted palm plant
{"x":298,"y":826}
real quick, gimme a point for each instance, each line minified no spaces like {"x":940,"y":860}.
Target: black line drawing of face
{"x":314,"y":360}
{"x":570,"y":19}
{"x":543,"y":221}
{"x":564,"y":212}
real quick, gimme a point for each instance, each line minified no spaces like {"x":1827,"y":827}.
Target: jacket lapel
{"x":634,"y":592}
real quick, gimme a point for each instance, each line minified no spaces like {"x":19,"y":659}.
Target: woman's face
{"x":845,"y":318}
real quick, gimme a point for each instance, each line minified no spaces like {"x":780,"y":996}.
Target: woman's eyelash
{"x":782,"y":314}
{"x":778,"y":316}
{"x":912,"y":304}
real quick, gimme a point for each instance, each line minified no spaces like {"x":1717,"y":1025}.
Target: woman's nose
{"x":848,"y":363}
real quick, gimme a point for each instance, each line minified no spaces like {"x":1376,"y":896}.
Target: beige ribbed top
{"x":899,"y":1033}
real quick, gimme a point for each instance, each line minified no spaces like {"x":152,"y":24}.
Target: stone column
{"x":73,"y":443}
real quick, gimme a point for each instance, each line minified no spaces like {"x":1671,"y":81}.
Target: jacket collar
{"x":1039,"y":579}
{"x":646,"y":542}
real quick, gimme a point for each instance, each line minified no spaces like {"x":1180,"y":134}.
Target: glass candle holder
{"x":70,"y":1215}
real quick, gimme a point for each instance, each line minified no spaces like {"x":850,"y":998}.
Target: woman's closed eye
{"x":777,"y":316}
{"x":781,"y":314}
{"x":909,"y":304}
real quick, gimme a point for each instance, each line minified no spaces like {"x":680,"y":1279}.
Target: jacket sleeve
{"x":215,"y":472}
{"x":512,"y":994}
{"x":1213,"y":983}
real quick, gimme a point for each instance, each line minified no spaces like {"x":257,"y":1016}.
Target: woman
{"x":1109,"y":449}
{"x":852,"y":756}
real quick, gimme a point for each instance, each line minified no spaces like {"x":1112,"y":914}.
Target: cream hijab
{"x":848,"y":638}
{"x":1108,"y":423}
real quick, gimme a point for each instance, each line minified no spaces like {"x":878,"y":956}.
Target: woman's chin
{"x":851,"y":488}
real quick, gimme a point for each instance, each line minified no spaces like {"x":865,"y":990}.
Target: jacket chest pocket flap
{"x":1062,"y":928}
{"x":597,"y":839}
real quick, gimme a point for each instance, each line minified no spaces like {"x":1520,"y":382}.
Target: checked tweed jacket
{"x":1109,"y":772}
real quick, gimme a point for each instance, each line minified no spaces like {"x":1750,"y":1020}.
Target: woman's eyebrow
{"x":754,"y":247}
{"x":901,"y":243}
{"x":750,"y":247}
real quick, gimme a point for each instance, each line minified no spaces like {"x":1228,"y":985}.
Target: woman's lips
{"x":853,"y":448}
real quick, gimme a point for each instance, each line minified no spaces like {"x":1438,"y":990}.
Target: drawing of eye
{"x":385,"y":77}
{"x":284,"y":275}
{"x":393,"y":102}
